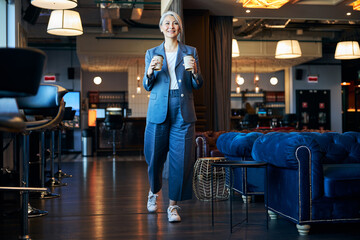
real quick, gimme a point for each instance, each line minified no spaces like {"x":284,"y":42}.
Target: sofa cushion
{"x":341,"y":180}
{"x":236,"y":143}
{"x":282,"y":149}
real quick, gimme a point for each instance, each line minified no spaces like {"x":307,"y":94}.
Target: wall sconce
{"x":286,"y":49}
{"x":347,"y":50}
{"x":97,"y":80}
{"x":54,"y":4}
{"x":65,"y":23}
{"x":274,"y":81}
{"x":256,"y":79}
{"x":235,"y":52}
{"x":138,"y":89}
{"x":239,"y":79}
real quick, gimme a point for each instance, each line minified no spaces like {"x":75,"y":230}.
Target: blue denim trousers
{"x":176,"y":137}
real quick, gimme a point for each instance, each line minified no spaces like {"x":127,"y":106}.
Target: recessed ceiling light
{"x":247,"y":11}
{"x":348,"y":14}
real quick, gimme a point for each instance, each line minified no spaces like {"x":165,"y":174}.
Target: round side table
{"x":202,"y":179}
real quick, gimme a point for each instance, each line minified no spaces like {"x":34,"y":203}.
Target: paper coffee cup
{"x":159,"y":63}
{"x":187,"y":60}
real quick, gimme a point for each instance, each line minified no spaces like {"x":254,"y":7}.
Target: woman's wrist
{"x":149,"y":74}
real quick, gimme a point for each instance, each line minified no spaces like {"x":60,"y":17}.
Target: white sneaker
{"x":173,"y":214}
{"x":151,"y":204}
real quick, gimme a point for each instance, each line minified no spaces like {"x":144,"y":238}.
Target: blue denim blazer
{"x":159,"y":84}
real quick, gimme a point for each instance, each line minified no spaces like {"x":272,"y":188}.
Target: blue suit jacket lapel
{"x":180,"y":54}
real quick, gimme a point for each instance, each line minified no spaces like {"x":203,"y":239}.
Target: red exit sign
{"x":49,"y":78}
{"x":312,"y":79}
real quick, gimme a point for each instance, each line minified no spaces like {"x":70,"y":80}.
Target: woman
{"x":170,"y":123}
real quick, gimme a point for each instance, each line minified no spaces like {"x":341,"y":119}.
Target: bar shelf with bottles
{"x":108,"y":99}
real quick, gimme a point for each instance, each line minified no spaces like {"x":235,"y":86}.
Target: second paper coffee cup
{"x":187,"y":60}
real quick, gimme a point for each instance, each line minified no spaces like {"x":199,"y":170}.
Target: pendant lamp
{"x":65,"y":23}
{"x":286,"y":49}
{"x":54,"y":4}
{"x":347,"y":50}
{"x":235,"y":48}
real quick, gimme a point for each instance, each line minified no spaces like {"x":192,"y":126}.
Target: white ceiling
{"x":319,"y":20}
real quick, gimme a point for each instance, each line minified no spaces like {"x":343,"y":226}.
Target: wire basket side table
{"x":202,"y":179}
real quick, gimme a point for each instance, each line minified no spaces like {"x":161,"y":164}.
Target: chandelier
{"x":270,"y":4}
{"x":356,"y":5}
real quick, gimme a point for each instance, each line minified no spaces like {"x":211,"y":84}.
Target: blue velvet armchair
{"x":313,"y":177}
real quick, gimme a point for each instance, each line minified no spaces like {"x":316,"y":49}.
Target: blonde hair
{"x":175,"y":15}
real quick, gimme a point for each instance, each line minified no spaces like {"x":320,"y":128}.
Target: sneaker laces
{"x":152,"y":198}
{"x":172,"y":210}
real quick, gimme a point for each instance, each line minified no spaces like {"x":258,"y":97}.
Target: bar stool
{"x":69,"y":114}
{"x":49,"y":104}
{"x":114,"y":120}
{"x":28,"y":64}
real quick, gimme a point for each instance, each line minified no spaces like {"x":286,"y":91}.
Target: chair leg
{"x":303,"y":229}
{"x":60,"y":173}
{"x":52,"y":182}
{"x":114,"y":143}
{"x":47,"y":194}
{"x":25,"y":194}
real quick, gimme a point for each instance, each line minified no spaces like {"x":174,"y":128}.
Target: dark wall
{"x":197,"y":35}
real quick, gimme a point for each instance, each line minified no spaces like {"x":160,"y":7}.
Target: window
{"x":3,"y":23}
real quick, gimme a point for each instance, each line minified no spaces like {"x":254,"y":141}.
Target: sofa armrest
{"x":206,"y":144}
{"x":294,"y":170}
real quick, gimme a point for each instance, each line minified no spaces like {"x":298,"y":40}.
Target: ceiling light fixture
{"x":274,"y":81}
{"x":235,"y":52}
{"x":239,"y":79}
{"x":97,"y":80}
{"x":286,"y":49}
{"x":347,"y":50}
{"x":54,"y":4}
{"x":356,"y":5}
{"x":65,"y":23}
{"x":270,"y":4}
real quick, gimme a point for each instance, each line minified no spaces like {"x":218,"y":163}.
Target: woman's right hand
{"x":150,"y":70}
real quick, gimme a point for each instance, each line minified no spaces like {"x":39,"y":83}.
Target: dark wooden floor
{"x":106,"y":199}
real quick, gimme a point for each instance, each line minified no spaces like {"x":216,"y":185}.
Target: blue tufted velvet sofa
{"x":237,"y":146}
{"x":313,"y":177}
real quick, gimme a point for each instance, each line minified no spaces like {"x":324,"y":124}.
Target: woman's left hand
{"x":194,"y":68}
{"x":192,"y":64}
